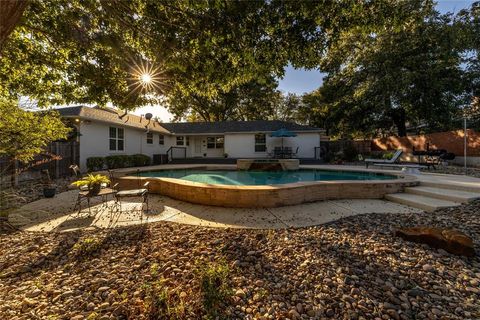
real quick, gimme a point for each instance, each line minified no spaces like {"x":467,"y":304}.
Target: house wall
{"x":94,"y":142}
{"x":242,"y":145}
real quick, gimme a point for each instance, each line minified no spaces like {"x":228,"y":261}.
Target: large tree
{"x":87,"y":51}
{"x":253,"y":100}
{"x":24,"y":134}
{"x":385,"y":79}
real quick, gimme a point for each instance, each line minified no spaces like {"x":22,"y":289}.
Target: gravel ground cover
{"x":350,"y":269}
{"x":473,"y":172}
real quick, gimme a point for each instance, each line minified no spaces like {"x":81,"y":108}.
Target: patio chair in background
{"x":75,"y":171}
{"x":287,"y":152}
{"x":277,"y":152}
{"x":394,"y":159}
{"x":294,"y":154}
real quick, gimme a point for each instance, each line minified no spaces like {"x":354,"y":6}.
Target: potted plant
{"x":49,"y":188}
{"x":93,"y":182}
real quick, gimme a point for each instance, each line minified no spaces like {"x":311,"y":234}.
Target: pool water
{"x":255,"y":178}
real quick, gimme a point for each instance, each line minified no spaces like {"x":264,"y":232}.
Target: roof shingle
{"x":234,"y":126}
{"x":111,"y":116}
{"x":221,"y":127}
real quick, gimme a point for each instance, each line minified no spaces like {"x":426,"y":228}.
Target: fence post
{"x":57,"y":162}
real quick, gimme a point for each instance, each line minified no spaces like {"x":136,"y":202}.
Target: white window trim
{"x":215,"y":142}
{"x":259,"y":144}
{"x":146,"y":139}
{"x":116,"y":140}
{"x":183,"y":141}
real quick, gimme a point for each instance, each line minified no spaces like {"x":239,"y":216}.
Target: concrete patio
{"x":57,"y":214}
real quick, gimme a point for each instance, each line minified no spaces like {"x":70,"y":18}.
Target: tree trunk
{"x":10,"y":13}
{"x":399,"y":119}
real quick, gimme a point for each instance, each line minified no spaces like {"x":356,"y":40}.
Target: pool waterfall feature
{"x":268,"y":164}
{"x":174,"y":183}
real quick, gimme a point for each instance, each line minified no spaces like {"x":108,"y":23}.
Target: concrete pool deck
{"x":57,"y":214}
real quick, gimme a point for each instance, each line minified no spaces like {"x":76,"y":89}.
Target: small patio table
{"x":104,"y":193}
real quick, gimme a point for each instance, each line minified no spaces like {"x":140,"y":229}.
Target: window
{"x":214,"y":142}
{"x":210,"y":142}
{"x":161,"y":139}
{"x":149,"y":138}
{"x":180,"y":141}
{"x":188,"y":140}
{"x":260,"y":142}
{"x":219,"y":142}
{"x":116,"y":139}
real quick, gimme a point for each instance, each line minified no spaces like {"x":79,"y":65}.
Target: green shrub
{"x":350,"y":152}
{"x":162,"y":303}
{"x":95,"y":163}
{"x":87,"y":247}
{"x":118,"y":161}
{"x":387,"y":156}
{"x":139,"y":160}
{"x":215,"y":287}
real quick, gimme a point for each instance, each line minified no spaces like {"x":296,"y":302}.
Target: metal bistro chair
{"x":75,"y":171}
{"x":287,"y":152}
{"x":277,"y":152}
{"x":294,"y":154}
{"x":141,"y":191}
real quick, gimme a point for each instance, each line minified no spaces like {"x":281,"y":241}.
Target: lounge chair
{"x":394,"y":159}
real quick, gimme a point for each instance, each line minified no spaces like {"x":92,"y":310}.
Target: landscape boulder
{"x":450,"y":240}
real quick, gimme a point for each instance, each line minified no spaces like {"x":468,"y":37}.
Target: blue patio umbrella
{"x":282,"y":133}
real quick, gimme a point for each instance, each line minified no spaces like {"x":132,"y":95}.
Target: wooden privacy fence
{"x":362,"y":146}
{"x":452,"y":141}
{"x":56,"y":158}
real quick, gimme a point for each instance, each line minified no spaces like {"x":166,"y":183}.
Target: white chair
{"x":394,"y":159}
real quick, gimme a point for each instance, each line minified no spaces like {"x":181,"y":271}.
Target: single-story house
{"x":105,"y":131}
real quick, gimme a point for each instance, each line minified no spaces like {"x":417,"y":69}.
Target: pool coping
{"x":267,"y":195}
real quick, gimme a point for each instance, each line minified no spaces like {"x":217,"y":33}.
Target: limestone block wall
{"x":268,"y":196}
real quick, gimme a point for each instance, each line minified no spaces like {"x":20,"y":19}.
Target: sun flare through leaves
{"x":146,"y":78}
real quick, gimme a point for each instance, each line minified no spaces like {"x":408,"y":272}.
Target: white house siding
{"x":94,"y":142}
{"x":201,"y":150}
{"x":242,"y":145}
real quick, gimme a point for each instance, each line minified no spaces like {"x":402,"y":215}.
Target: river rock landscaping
{"x":354,"y":268}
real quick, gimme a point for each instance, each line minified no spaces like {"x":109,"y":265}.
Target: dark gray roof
{"x":111,"y":116}
{"x":118,"y":117}
{"x":234,"y":126}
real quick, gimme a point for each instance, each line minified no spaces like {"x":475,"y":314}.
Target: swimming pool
{"x":221,"y":185}
{"x":259,"y":178}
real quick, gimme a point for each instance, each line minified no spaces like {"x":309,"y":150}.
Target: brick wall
{"x":452,"y":141}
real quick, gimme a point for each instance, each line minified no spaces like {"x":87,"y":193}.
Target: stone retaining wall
{"x":268,"y":196}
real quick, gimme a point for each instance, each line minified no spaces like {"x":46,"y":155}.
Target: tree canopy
{"x":389,"y":64}
{"x":253,"y":100}
{"x":87,"y":51}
